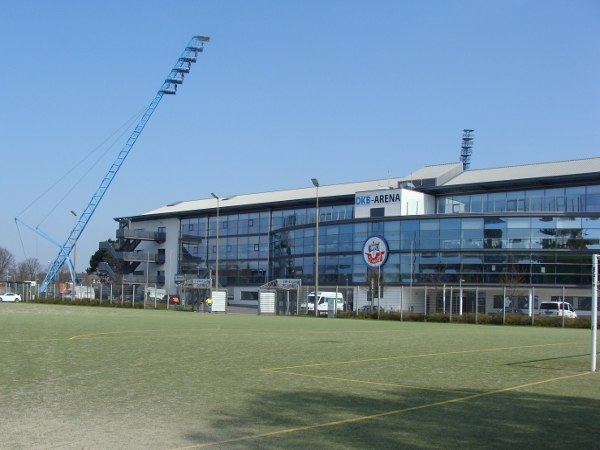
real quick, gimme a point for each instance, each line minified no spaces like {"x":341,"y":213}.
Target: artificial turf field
{"x":102,"y":378}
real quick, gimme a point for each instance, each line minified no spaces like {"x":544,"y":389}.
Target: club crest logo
{"x":375,"y":251}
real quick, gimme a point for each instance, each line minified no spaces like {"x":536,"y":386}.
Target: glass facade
{"x":545,"y":250}
{"x":243,"y":247}
{"x":544,"y":236}
{"x":569,"y":199}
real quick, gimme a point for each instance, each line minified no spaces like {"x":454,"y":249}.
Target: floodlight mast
{"x":169,"y":86}
{"x":466,"y":149}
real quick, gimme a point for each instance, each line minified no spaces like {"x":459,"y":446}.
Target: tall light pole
{"x":346,"y":298}
{"x":460,"y":303}
{"x":46,"y":292}
{"x":217,"y":256}
{"x":378,"y":290}
{"x":74,"y":256}
{"x":315,"y":183}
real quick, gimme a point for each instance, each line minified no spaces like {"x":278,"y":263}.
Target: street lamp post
{"x":46,"y":291}
{"x":147,"y":272}
{"x":346,"y":302}
{"x":74,"y":257}
{"x":315,"y":183}
{"x":460,"y":302}
{"x":197,"y":292}
{"x":378,"y":290}
{"x":217,"y":240}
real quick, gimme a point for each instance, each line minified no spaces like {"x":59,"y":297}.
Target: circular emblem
{"x":375,"y":251}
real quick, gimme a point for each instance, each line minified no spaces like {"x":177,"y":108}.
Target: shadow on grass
{"x":557,"y":358}
{"x":509,"y":419}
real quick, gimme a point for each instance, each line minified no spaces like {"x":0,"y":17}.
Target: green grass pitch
{"x":104,"y":378}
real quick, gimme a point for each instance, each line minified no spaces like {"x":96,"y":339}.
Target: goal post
{"x":269,"y":301}
{"x":594,"y":311}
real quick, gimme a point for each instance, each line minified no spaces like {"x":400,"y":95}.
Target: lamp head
{"x":214,"y":195}
{"x":315,"y":182}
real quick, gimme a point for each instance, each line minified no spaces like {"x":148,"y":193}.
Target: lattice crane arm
{"x":169,"y":87}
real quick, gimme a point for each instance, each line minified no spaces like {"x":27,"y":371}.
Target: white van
{"x":557,"y":309}
{"x":324,"y":299}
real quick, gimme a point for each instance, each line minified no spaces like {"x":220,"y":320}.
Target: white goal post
{"x":594,"y":311}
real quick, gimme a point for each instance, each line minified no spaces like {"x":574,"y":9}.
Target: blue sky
{"x":285,"y":91}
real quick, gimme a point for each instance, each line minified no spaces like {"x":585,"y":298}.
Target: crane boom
{"x":169,"y":87}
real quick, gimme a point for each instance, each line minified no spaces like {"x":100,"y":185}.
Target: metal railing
{"x":142,"y":279}
{"x":159,"y":236}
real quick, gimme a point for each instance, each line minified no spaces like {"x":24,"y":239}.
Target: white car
{"x":557,"y":309}
{"x":10,"y":297}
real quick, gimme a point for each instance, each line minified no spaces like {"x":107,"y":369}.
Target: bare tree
{"x":437,"y":281}
{"x":64,"y":273}
{"x":28,"y":270}
{"x":7,"y":261}
{"x":513,"y":281}
{"x":375,"y":285}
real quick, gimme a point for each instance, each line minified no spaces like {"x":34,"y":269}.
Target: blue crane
{"x":169,"y":87}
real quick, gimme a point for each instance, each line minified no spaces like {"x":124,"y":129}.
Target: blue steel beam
{"x":169,"y":86}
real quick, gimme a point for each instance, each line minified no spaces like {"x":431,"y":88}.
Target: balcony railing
{"x":141,"y":279}
{"x":158,"y":258}
{"x":142,"y":235}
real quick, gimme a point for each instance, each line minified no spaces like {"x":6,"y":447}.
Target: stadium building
{"x":455,"y":239}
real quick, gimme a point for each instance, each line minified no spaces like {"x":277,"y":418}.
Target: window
{"x":377,"y":212}
{"x":250,"y":222}
{"x":225,"y":225}
{"x":584,"y":303}
{"x":249,"y":295}
{"x":191,"y":227}
{"x":256,"y":247}
{"x":375,"y":293}
{"x":523,"y":302}
{"x":498,"y":301}
{"x":195,"y":250}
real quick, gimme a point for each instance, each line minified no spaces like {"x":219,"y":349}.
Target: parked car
{"x":138,"y":296}
{"x":10,"y":297}
{"x":368,"y":308}
{"x":557,"y":309}
{"x":510,"y":310}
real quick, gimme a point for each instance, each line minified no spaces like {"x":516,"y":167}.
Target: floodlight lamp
{"x":214,"y":195}
{"x":74,"y":213}
{"x":315,"y":182}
